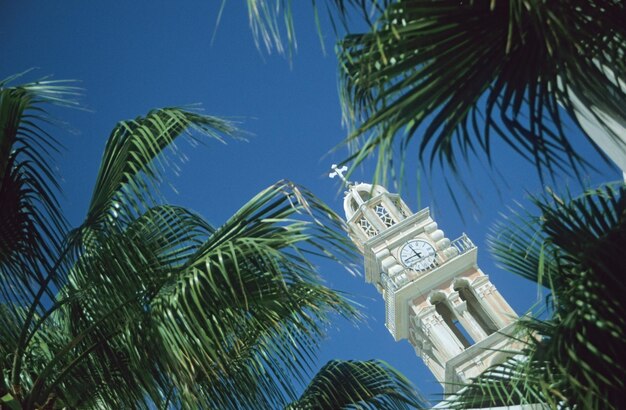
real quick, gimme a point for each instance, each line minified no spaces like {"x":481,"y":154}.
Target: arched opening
{"x":365,"y":195}
{"x":353,"y":205}
{"x":367,"y":191}
{"x":475,"y":308}
{"x":450,"y":319}
{"x":398,"y":204}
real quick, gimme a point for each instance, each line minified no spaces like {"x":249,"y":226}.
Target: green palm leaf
{"x":364,"y":385}
{"x":450,"y":76}
{"x":173,"y":305}
{"x":132,"y":163}
{"x":527,"y":377}
{"x":151,"y":305}
{"x":126,"y":185}
{"x":32,"y":225}
{"x":273,"y":26}
{"x":573,"y":358}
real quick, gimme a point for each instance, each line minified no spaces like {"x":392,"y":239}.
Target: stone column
{"x":492,"y":302}
{"x":439,"y":334}
{"x":465,"y":318}
{"x":426,"y":351}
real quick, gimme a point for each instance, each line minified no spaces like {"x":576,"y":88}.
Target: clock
{"x":417,"y":254}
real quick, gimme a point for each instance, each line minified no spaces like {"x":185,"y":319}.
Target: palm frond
{"x":525,"y":378}
{"x":450,"y":76}
{"x":125,"y":187}
{"x":173,"y":305}
{"x":32,"y":225}
{"x":105,"y":302}
{"x":133,"y":162}
{"x":359,"y":384}
{"x":273,"y":25}
{"x":573,"y":359}
{"x":268,"y":307}
{"x":521,"y":248}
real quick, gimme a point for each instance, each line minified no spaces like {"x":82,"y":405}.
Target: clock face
{"x":417,"y":254}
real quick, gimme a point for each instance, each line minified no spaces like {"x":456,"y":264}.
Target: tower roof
{"x":358,"y":194}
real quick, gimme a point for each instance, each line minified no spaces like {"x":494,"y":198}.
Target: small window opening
{"x":365,"y":195}
{"x":477,"y":311}
{"x":353,"y":205}
{"x":450,"y":319}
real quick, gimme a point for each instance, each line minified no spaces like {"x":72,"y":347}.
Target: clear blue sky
{"x":136,"y":55}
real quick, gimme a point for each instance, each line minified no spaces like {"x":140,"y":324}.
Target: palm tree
{"x":452,"y":75}
{"x":573,"y":358}
{"x":146,"y":304}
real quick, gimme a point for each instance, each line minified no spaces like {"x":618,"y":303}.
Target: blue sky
{"x":134,"y":56}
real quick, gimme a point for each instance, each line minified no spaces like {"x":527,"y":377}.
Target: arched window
{"x":475,"y":308}
{"x":398,"y":203}
{"x":450,"y":319}
{"x":353,"y":205}
{"x":350,"y":206}
{"x":365,"y":195}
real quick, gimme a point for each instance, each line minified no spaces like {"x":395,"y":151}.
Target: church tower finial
{"x":338,"y":172}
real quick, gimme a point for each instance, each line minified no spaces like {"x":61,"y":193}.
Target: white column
{"x":492,"y":302}
{"x":439,"y":334}
{"x":423,"y":348}
{"x":465,"y":318}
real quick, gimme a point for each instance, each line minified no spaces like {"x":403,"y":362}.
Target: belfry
{"x":435,"y":294}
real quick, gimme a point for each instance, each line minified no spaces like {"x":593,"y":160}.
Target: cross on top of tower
{"x":338,"y":172}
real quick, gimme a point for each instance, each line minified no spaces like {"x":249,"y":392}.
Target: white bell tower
{"x":435,"y":294}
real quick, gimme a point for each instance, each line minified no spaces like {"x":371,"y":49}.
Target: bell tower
{"x":435,"y":294}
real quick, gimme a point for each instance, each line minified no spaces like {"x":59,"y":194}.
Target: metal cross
{"x":338,"y":172}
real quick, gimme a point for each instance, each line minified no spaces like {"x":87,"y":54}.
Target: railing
{"x":462,"y":244}
{"x":392,"y":284}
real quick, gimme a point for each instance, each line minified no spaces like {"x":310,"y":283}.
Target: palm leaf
{"x":364,"y":385}
{"x":267,"y":304}
{"x":132,"y":164}
{"x":452,"y":75}
{"x":105,"y":286}
{"x":273,"y":26}
{"x":172,"y":305}
{"x":125,"y":187}
{"x":32,"y":225}
{"x":571,"y":359}
{"x":525,"y":378}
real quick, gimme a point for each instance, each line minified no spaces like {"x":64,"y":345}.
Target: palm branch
{"x":451,"y":76}
{"x":32,"y":224}
{"x":273,"y":27}
{"x":572,"y":358}
{"x":151,"y":305}
{"x":180,"y":306}
{"x":354,"y":384}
